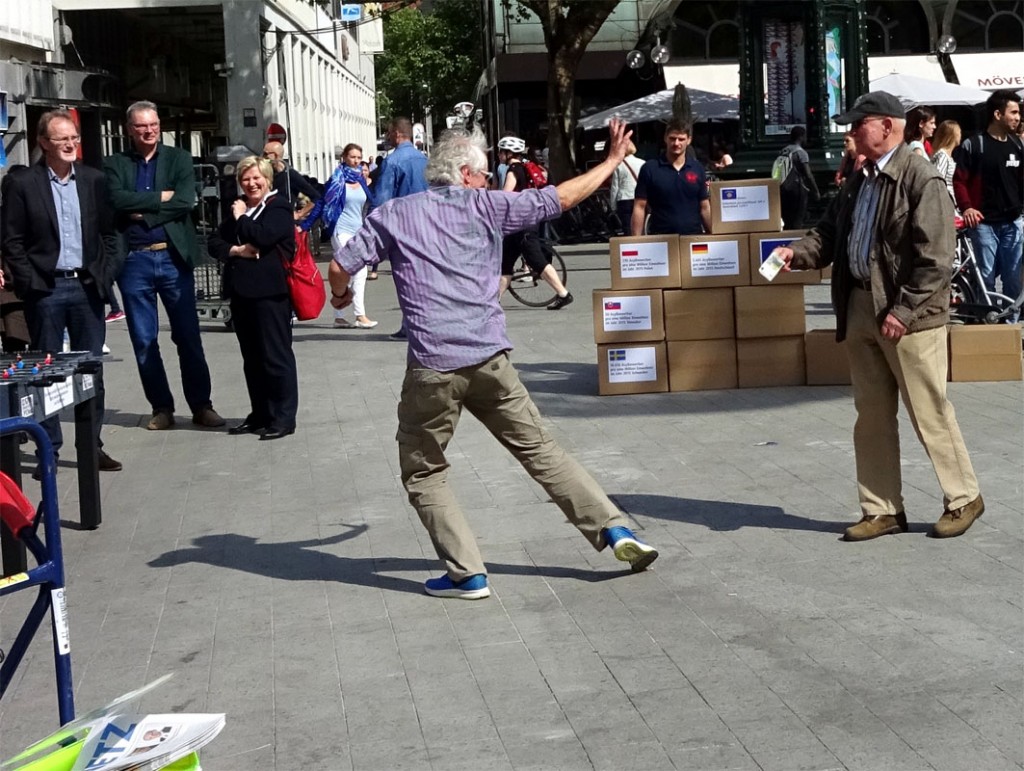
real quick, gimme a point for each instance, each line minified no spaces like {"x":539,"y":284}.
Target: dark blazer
{"x":31,"y":240}
{"x":271,"y":230}
{"x":173,"y":172}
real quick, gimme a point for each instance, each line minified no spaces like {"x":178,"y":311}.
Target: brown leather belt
{"x":865,"y":285}
{"x":158,"y":247}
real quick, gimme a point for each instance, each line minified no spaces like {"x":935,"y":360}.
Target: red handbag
{"x":305,"y":284}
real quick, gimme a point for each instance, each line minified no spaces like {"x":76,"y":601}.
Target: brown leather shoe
{"x":161,"y":421}
{"x":208,"y":418}
{"x":956,"y":522}
{"x":106,"y":463}
{"x":873,"y":526}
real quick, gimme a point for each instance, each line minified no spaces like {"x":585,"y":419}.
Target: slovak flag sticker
{"x":613,"y":306}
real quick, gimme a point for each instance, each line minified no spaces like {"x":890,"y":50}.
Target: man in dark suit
{"x":153,"y":190}
{"x":58,"y":240}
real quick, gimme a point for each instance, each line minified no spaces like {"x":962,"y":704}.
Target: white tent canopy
{"x":658,"y":106}
{"x":913,"y":91}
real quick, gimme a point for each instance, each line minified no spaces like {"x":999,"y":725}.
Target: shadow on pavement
{"x":303,"y":561}
{"x":719,"y":515}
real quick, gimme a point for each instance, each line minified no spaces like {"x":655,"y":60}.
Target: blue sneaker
{"x":629,"y":548}
{"x":472,"y":588}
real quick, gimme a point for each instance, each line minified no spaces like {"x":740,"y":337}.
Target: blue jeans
{"x":145,"y":276}
{"x":77,"y":306}
{"x":998,"y":251}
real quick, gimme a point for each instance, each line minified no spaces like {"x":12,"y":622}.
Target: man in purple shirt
{"x":445,"y":250}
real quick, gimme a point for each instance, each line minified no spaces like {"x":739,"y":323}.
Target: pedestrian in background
{"x":401,"y":174}
{"x":672,"y":189}
{"x":944,"y":142}
{"x":342,"y":209}
{"x":919,"y":130}
{"x":254,"y":244}
{"x":622,"y":189}
{"x":799,"y":183}
{"x":851,"y":161}
{"x":889,"y":238}
{"x":526,"y":244}
{"x":153,"y":190}
{"x":61,"y":250}
{"x":989,"y":188}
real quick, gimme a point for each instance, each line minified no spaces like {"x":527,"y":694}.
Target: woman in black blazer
{"x":254,"y":243}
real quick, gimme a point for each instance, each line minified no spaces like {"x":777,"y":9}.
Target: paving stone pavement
{"x":281,"y":582}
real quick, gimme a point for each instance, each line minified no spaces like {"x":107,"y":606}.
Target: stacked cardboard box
{"x":698,"y":284}
{"x":689,"y":313}
{"x":984,"y":352}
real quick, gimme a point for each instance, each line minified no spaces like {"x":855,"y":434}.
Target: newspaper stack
{"x":117,"y":738}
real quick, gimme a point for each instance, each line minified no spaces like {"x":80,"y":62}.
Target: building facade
{"x":709,"y":41}
{"x":221,"y":71}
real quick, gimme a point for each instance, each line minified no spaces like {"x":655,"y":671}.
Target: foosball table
{"x":37,"y":385}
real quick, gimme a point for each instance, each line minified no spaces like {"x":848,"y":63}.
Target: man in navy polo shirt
{"x":673,"y":189}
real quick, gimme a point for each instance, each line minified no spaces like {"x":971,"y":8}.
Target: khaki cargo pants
{"x":428,"y":413}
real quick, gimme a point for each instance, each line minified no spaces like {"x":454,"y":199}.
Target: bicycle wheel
{"x":529,"y":288}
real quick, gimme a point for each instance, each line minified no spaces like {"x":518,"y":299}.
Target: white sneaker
{"x":106,"y":348}
{"x":365,"y":324}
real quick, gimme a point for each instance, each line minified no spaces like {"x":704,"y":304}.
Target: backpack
{"x":782,"y":167}
{"x":538,"y":178}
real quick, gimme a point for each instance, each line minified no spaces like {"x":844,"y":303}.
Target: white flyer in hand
{"x":772,"y":265}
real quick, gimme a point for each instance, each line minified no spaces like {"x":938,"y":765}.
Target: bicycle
{"x":528,"y":287}
{"x":971,"y":302}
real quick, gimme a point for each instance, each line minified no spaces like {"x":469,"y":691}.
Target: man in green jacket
{"x":889,"y":236}
{"x":152,"y":188}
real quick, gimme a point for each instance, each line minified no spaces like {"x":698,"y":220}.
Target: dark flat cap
{"x":873,"y":103}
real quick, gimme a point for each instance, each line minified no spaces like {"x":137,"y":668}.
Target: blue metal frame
{"x":48,"y":575}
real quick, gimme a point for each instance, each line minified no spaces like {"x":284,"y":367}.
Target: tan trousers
{"x":915,"y":369}
{"x":428,"y":413}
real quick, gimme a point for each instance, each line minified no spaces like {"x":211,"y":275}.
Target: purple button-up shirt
{"x":445,"y":252}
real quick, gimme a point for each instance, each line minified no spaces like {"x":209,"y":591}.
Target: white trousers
{"x":358,"y":281}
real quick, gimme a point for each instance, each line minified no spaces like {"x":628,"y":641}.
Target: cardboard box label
{"x":641,"y":260}
{"x":632,"y":365}
{"x":627,"y":314}
{"x":744,"y":203}
{"x":714,"y":258}
{"x":768,"y":245}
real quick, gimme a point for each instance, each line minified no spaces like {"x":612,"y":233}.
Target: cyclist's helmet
{"x":512,"y":144}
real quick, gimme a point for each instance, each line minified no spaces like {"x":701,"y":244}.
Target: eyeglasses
{"x":856,"y":125}
{"x":64,"y":140}
{"x":141,"y":126}
{"x":487,"y":174}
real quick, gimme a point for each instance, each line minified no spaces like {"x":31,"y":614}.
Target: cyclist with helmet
{"x":527,"y":243}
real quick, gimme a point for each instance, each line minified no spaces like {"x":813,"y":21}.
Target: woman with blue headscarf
{"x":342,"y":210}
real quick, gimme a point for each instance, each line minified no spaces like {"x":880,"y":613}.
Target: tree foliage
{"x":569,"y":26}
{"x":430,"y":60}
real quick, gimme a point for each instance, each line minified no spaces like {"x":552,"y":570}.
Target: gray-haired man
{"x":445,"y":249}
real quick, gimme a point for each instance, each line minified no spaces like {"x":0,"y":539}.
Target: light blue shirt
{"x":862,"y":231}
{"x":351,"y":217}
{"x":402,"y":173}
{"x":69,"y":219}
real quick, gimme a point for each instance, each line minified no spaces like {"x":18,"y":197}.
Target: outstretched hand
{"x":618,"y":140}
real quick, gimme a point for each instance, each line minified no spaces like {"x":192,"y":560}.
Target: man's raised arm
{"x":574,"y":190}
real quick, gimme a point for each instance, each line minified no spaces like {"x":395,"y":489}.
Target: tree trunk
{"x":569,"y":26}
{"x":561,"y":116}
